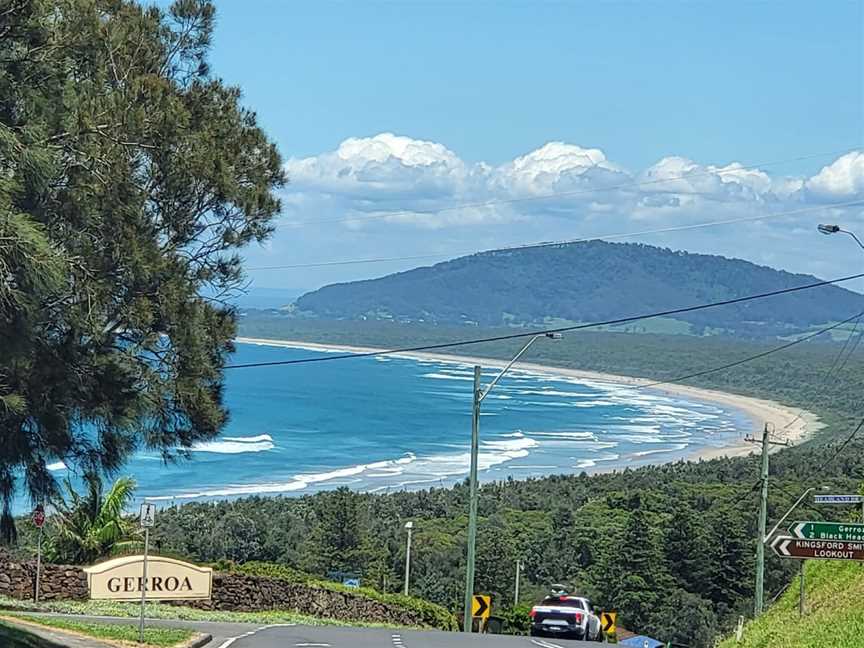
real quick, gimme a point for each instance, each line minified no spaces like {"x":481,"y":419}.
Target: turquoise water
{"x":395,"y":423}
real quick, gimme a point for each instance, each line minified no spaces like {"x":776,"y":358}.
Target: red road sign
{"x":39,"y":517}
{"x":787,"y":547}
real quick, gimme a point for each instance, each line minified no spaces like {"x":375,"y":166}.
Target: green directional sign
{"x":841,"y":531}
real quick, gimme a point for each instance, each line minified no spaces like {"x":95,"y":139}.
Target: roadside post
{"x":409,"y":526}
{"x":481,"y":609}
{"x":148,"y":519}
{"x":801,"y":592}
{"x":39,"y":521}
{"x":608,"y":626}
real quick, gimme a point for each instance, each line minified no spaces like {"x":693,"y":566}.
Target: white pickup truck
{"x":565,"y":616}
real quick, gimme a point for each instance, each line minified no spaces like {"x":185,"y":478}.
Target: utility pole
{"x":518,"y":573}
{"x":766,"y":443}
{"x":410,"y":527}
{"x":467,"y":622}
{"x":479,"y":395}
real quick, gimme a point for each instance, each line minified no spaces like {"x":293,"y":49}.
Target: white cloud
{"x":392,"y":195}
{"x":396,"y":176}
{"x":842,"y":179}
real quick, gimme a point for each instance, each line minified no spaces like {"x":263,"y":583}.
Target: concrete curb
{"x":199,"y":641}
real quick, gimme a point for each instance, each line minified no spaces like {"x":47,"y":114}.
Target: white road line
{"x":230,"y":641}
{"x":312,"y":645}
{"x":545,"y":644}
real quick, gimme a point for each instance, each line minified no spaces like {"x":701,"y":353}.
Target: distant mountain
{"x":585,"y":282}
{"x":267,"y":298}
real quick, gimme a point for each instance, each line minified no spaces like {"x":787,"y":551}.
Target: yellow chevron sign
{"x":481,"y":606}
{"x":607,"y":622}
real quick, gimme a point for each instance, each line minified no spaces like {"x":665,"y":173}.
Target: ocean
{"x":385,"y":424}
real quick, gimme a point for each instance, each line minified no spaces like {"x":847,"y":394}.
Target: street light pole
{"x":410,"y":527}
{"x":479,"y":395}
{"x":518,"y":574}
{"x":472,"y":502}
{"x":835,"y":229}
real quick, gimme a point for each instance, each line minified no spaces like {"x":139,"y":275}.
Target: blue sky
{"x":471,"y":88}
{"x":717,"y":81}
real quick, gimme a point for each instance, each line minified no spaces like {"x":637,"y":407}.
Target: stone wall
{"x":244,"y":593}
{"x":18,"y":580}
{"x":231,"y":592}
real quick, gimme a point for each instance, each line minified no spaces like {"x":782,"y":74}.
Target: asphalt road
{"x":345,"y":637}
{"x":249,"y":635}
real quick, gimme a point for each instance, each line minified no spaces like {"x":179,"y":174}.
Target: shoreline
{"x":794,"y":426}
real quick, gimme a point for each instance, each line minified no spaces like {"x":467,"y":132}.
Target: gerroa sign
{"x":121,"y":579}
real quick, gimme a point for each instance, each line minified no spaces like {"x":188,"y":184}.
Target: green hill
{"x":583,"y":282}
{"x":834,"y":612}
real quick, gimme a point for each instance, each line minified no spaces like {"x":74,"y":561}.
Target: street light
{"x":410,"y":527}
{"x":834,"y":229}
{"x":479,"y":395}
{"x":789,"y":512}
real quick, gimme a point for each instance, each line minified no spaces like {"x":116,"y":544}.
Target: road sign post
{"x":148,"y":519}
{"x":39,"y":521}
{"x":481,"y":608}
{"x":838,"y":499}
{"x":607,"y":623}
{"x":843,"y":531}
{"x":787,"y":547}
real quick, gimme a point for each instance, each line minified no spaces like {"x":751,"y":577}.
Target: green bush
{"x":516,"y":619}
{"x":430,"y":614}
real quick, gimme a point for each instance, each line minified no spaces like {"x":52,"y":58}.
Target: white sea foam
{"x":590,"y":436}
{"x":674,"y":448}
{"x":252,"y":439}
{"x":433,"y":468}
{"x":553,"y":392}
{"x":445,"y":376}
{"x":590,"y":463}
{"x":236,"y":445}
{"x":386,"y":468}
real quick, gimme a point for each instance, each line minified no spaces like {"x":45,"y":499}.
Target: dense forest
{"x":580,"y":282}
{"x":670,"y":547}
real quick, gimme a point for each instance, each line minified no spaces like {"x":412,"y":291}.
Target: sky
{"x":425,"y":130}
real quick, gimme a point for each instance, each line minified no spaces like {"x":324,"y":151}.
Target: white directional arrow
{"x":781,"y":545}
{"x":798,"y":530}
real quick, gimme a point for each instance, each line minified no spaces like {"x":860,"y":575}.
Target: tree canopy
{"x":130,"y":177}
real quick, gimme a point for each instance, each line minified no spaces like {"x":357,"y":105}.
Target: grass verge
{"x":162,"y":611}
{"x":834,"y":612}
{"x":126,"y":633}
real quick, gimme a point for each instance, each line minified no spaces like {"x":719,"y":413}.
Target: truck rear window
{"x":563,"y":602}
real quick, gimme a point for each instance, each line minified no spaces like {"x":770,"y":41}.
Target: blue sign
{"x":351,"y":582}
{"x":838,"y":499}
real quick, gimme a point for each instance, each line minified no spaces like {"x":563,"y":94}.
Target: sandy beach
{"x":790,"y":424}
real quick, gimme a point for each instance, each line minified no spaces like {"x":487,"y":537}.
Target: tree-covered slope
{"x":834,"y":612}
{"x":586,"y":282}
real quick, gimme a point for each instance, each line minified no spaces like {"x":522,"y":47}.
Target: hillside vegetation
{"x":582,"y":282}
{"x":834,"y":612}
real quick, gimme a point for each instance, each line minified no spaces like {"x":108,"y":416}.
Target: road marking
{"x":397,"y":641}
{"x":230,"y":641}
{"x":545,"y":644}
{"x":312,"y":645}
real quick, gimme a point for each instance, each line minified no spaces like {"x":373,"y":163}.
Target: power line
{"x":842,"y":447}
{"x":562,"y":329}
{"x":543,"y":244}
{"x":755,"y":356}
{"x":575,"y":192}
{"x":835,"y":366}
